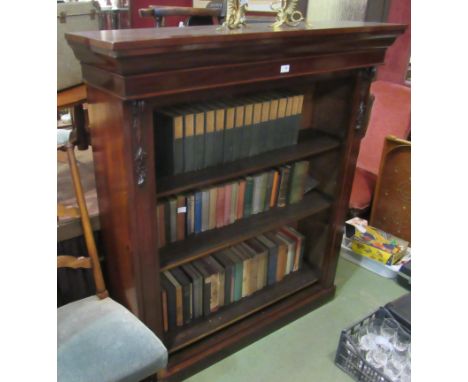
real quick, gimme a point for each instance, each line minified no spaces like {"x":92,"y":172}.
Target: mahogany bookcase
{"x":130,"y":74}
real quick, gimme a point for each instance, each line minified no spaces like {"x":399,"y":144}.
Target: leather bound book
{"x":178,"y":299}
{"x":234,"y":197}
{"x":272,"y":258}
{"x":227,"y":203}
{"x":247,"y":129}
{"x":256,"y":137}
{"x":282,"y":255}
{"x":289,"y":118}
{"x":259,"y":193}
{"x":184,"y":281}
{"x":220,"y":207}
{"x":296,"y":117}
{"x":205,"y":209}
{"x":169,"y":142}
{"x":181,"y":216}
{"x":238,"y":272}
{"x":282,"y":124}
{"x":273,"y":120}
{"x":291,"y":253}
{"x":161,"y":225}
{"x":246,"y":268}
{"x":228,"y":266}
{"x":208,"y":301}
{"x":198,"y":212}
{"x":190,"y":214}
{"x":167,"y":220}
{"x":189,"y":140}
{"x":173,"y":218}
{"x":274,"y":189}
{"x":220,"y":272}
{"x":297,"y":182}
{"x":199,"y":141}
{"x":300,"y":239}
{"x":261,"y":254}
{"x":170,"y":290}
{"x":197,"y":289}
{"x":248,"y":198}
{"x":283,"y":185}
{"x":238,"y":129}
{"x":240,"y":199}
{"x":215,"y":284}
{"x":228,"y":154}
{"x":265,"y":127}
{"x":269,"y":188}
{"x":212,"y":213}
{"x":164,"y":310}
{"x":210,"y":138}
{"x":253,"y":275}
{"x":218,"y":146}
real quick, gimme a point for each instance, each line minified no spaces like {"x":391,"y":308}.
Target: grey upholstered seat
{"x":100,"y":340}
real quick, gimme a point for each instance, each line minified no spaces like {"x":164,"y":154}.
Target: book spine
{"x":173,"y":218}
{"x":238,"y":127}
{"x":229,"y":135}
{"x":161,"y":225}
{"x":269,"y":187}
{"x":297,"y":117}
{"x":272,"y":263}
{"x":209,"y":139}
{"x":227,"y":203}
{"x":205,"y":209}
{"x":282,"y":259}
{"x":187,"y":302}
{"x":259,"y":194}
{"x":189,"y":140}
{"x":298,"y":177}
{"x":247,"y":131}
{"x":190,"y":214}
{"x":220,"y":207}
{"x":218,"y":145}
{"x":248,"y":198}
{"x":198,"y":212}
{"x":181,"y":216}
{"x":273,"y":134}
{"x":289,"y":132}
{"x":167,"y":220}
{"x":199,"y":141}
{"x":207,"y":296}
{"x":240,"y":199}
{"x":283,"y":187}
{"x":256,"y":141}
{"x":265,"y":133}
{"x":178,"y":145}
{"x":281,"y":124}
{"x":212,"y":213}
{"x":234,"y":196}
{"x":274,"y":189}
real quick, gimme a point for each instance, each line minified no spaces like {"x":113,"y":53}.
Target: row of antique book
{"x":195,"y":136}
{"x":201,"y":287}
{"x":186,"y":214}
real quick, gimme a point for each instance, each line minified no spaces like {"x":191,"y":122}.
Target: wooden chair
{"x":99,"y":339}
{"x":391,"y":207}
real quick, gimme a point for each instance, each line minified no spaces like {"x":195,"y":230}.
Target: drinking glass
{"x":367,"y":334}
{"x":392,"y":370}
{"x":380,"y":354}
{"x":402,"y":340}
{"x":405,"y":375}
{"x":389,"y":328}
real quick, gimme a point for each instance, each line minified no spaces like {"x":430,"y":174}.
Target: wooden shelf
{"x":196,"y":246}
{"x":226,"y":315}
{"x":179,"y":183}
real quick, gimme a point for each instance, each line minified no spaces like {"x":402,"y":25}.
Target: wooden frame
{"x":132,"y":73}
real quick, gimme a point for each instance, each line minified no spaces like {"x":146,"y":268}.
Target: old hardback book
{"x":259,"y":193}
{"x":217,"y":284}
{"x":248,"y":197}
{"x":261,"y":254}
{"x":218,"y":146}
{"x":199,"y":138}
{"x":170,"y":290}
{"x":210,"y":138}
{"x":228,"y":153}
{"x":296,"y":117}
{"x":227,"y":203}
{"x":220,"y":206}
{"x":178,"y":298}
{"x":205,"y":209}
{"x":299,"y":238}
{"x":169,"y":142}
{"x":247,"y":129}
{"x":161,"y":225}
{"x":282,"y":122}
{"x":269,"y":188}
{"x":181,"y":217}
{"x":274,"y":189}
{"x":210,"y":298}
{"x":234,"y":199}
{"x":256,"y":137}
{"x":197,"y":289}
{"x":238,"y":128}
{"x":240,"y":199}
{"x":228,"y":265}
{"x":246,"y":268}
{"x":298,"y":177}
{"x":184,"y":281}
{"x":282,"y":255}
{"x":189,"y":139}
{"x":198,"y":212}
{"x":190,"y":214}
{"x":272,"y":258}
{"x":238,"y":272}
{"x":212,"y":213}
{"x":272,"y":142}
{"x":291,"y":244}
{"x":265,"y":127}
{"x":253,"y":273}
{"x":173,"y":218}
{"x":283,"y":185}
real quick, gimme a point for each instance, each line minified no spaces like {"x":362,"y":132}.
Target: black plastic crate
{"x":348,"y":357}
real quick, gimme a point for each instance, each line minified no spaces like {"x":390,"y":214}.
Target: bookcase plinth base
{"x":196,"y":357}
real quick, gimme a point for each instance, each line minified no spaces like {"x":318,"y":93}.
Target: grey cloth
{"x":100,"y":340}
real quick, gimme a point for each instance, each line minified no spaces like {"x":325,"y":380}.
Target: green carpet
{"x":305,"y":349}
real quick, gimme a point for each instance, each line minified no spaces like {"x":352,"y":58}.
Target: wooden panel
{"x":195,"y":246}
{"x":180,"y":183}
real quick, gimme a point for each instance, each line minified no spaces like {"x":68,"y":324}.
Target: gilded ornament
{"x":286,"y":13}
{"x":235,"y":16}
